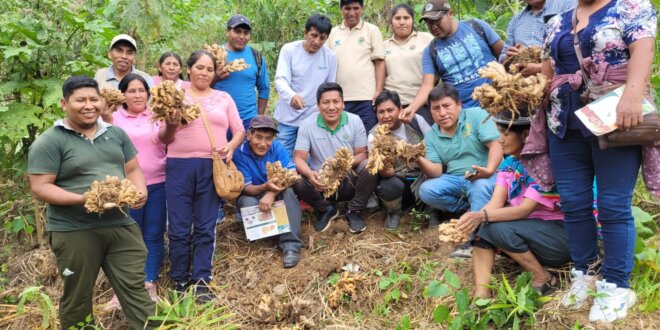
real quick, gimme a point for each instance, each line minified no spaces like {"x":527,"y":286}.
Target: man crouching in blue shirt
{"x":251,"y":158}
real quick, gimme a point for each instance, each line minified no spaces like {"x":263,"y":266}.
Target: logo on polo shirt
{"x":467,"y":130}
{"x":337,"y":42}
{"x":346,"y":137}
{"x":412,"y":47}
{"x":361,"y":41}
{"x":388,"y":52}
{"x":322,"y":67}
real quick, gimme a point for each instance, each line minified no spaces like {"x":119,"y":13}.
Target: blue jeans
{"x":454,"y":193}
{"x":192,"y":208}
{"x":287,"y":136}
{"x":364,"y":110}
{"x":576,"y":160}
{"x":152,"y":218}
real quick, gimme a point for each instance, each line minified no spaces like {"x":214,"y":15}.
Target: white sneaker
{"x":579,"y":292}
{"x":611,"y":302}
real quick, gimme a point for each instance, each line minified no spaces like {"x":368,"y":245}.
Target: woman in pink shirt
{"x":170,"y":67}
{"x":134,"y":117}
{"x":191,"y":197}
{"x":520,"y":220}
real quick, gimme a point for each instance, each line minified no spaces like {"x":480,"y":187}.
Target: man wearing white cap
{"x":122,"y":54}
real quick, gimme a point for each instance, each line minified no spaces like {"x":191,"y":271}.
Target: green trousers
{"x":121,"y":253}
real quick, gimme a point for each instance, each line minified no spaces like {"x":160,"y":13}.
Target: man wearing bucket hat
{"x":123,"y":50}
{"x":249,"y":88}
{"x":520,"y":220}
{"x":251,"y":159}
{"x":459,"y":49}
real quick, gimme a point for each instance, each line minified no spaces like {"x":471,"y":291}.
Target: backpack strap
{"x":259,"y":59}
{"x":434,"y":58}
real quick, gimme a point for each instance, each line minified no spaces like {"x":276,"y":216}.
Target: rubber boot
{"x":434,"y":217}
{"x":393,"y":213}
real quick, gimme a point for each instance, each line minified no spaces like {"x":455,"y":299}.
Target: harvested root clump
{"x":509,"y":92}
{"x":113,"y":97}
{"x":525,"y":56}
{"x":220,"y":55}
{"x":218,"y":52}
{"x":346,"y":287}
{"x":383,"y":150}
{"x":167,"y":100}
{"x":334,"y":170}
{"x":280,"y":176}
{"x":110,"y":193}
{"x":410,"y":153}
{"x":237,"y":65}
{"x":449,"y":233}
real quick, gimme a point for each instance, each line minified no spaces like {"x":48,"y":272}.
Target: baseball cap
{"x":263,"y":121}
{"x":433,"y":9}
{"x":123,"y":37}
{"x":237,"y":20}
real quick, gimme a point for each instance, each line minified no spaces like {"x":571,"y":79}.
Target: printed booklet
{"x":260,"y":225}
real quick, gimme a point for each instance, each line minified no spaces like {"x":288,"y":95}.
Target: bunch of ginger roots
{"x":110,"y":193}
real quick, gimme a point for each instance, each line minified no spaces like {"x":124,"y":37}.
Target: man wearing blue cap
{"x":249,"y":88}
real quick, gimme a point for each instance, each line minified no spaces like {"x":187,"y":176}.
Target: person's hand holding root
{"x":272,"y":187}
{"x":315,"y":181}
{"x":407,"y":114}
{"x":469,"y":222}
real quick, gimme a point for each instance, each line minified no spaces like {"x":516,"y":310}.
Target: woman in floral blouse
{"x":616,"y":39}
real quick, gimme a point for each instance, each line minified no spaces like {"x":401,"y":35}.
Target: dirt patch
{"x":249,"y":280}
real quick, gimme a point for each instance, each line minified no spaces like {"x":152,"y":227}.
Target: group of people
{"x":334,"y":86}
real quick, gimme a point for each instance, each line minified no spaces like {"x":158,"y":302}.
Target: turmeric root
{"x":281,"y":176}
{"x":334,"y":170}
{"x":166,"y":100}
{"x":113,"y":97}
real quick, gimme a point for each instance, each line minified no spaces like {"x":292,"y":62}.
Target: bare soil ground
{"x":250,"y":281}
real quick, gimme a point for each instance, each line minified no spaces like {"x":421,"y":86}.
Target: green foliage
{"x":645,"y":279}
{"x":512,"y":307}
{"x":394,"y":285}
{"x":87,"y":324}
{"x":183,"y":312}
{"x":34,"y":295}
{"x":404,"y":324}
{"x":419,"y":218}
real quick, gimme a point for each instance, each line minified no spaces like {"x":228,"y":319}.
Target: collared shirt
{"x":403,"y":62}
{"x":321,"y":142}
{"x":77,"y":161}
{"x":356,"y":50}
{"x":467,"y":146}
{"x":528,"y":28}
{"x":106,"y":78}
{"x":300,"y":73}
{"x":254,"y":167}
{"x":143,"y":132}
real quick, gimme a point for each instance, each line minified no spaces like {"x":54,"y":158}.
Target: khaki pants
{"x":120,"y":252}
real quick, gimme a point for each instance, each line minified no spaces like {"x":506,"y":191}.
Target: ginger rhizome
{"x":280,"y":176}
{"x":334,"y":170}
{"x":410,"y":153}
{"x":110,"y":193}
{"x":527,"y":55}
{"x":113,"y":97}
{"x":346,"y":286}
{"x":509,"y":92}
{"x":166,"y":100}
{"x":449,"y":233}
{"x":383,"y":151}
{"x":220,"y":55}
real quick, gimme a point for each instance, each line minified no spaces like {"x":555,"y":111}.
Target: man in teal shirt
{"x":462,"y":154}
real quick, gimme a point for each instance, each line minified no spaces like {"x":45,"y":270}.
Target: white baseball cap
{"x":123,"y":37}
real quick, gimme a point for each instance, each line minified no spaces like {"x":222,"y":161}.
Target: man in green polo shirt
{"x":462,"y":154}
{"x":62,"y":163}
{"x":319,"y":137}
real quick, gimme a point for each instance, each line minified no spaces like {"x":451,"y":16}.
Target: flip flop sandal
{"x":548,"y":287}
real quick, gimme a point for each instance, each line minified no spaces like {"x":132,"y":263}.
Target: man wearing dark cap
{"x":251,"y":159}
{"x":459,"y":49}
{"x":241,"y":85}
{"x":123,"y":49}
